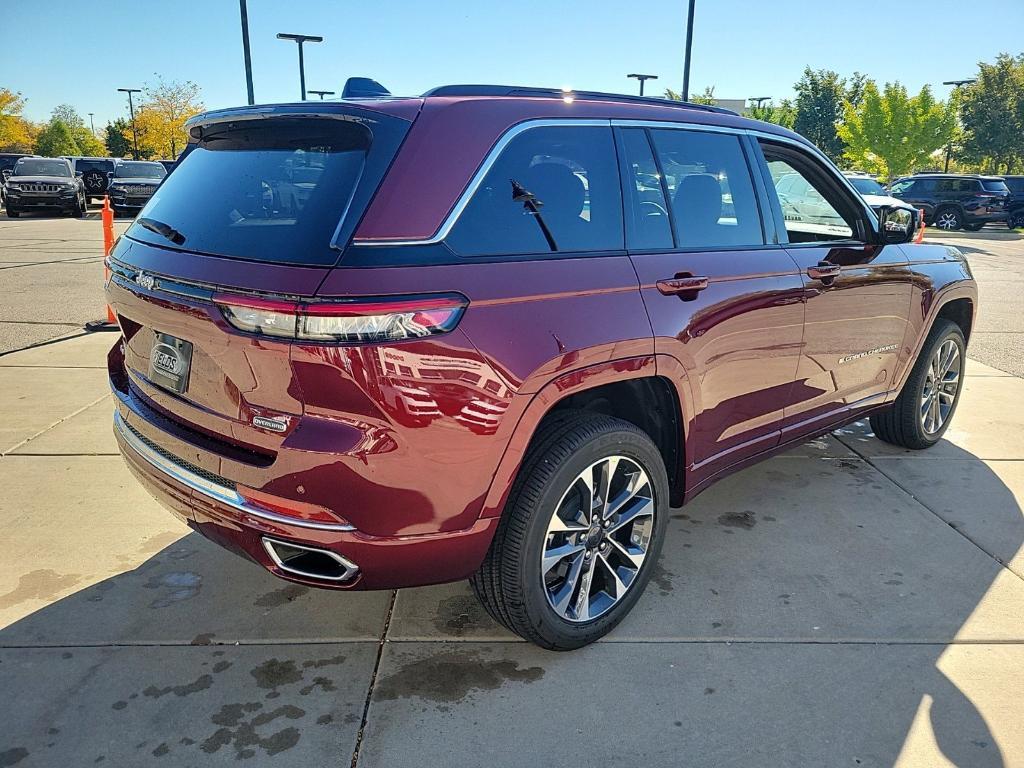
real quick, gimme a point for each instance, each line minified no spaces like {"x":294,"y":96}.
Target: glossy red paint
{"x":416,"y":443}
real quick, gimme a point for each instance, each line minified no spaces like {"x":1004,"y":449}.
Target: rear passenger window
{"x":709,"y":187}
{"x":551,"y":189}
{"x":647,"y":224}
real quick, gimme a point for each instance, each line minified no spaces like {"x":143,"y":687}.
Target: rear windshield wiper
{"x":165,"y":230}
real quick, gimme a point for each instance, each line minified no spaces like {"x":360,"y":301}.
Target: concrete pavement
{"x":843,"y":604}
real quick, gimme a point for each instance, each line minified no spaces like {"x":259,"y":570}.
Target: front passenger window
{"x":810,"y":209}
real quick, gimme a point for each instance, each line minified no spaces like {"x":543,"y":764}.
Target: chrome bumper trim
{"x":351,"y":569}
{"x":220,"y":493}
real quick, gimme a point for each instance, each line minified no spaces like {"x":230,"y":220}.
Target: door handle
{"x":824,"y":271}
{"x":680,"y":285}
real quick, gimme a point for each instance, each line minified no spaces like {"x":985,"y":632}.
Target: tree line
{"x":159,"y":129}
{"x":891,"y":132}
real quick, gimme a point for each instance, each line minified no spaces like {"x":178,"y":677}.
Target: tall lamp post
{"x":245,"y":50}
{"x":957,"y":84}
{"x":642,"y":79}
{"x":131,"y":111}
{"x":689,"y":47}
{"x":91,"y":126}
{"x":321,"y":94}
{"x":300,"y":39}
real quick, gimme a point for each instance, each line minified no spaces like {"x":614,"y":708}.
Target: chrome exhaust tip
{"x":310,"y":562}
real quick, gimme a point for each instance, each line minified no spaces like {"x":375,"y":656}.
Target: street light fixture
{"x":131,"y":110}
{"x":300,"y":39}
{"x":642,"y":78}
{"x":91,"y":126}
{"x":321,"y":94}
{"x":956,"y":84}
{"x":760,"y":100}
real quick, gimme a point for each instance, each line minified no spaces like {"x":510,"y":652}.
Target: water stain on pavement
{"x":275,"y":673}
{"x":662,"y":577}
{"x":199,"y":684}
{"x":281,"y":596}
{"x":745,"y":520}
{"x":330,"y":661}
{"x":43,"y":584}
{"x":451,"y":676}
{"x":176,"y":586}
{"x":12,"y":756}
{"x":239,"y":732}
{"x":460,"y":615}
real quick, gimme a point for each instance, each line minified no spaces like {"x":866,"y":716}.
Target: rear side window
{"x":271,"y":190}
{"x":551,"y":189}
{"x":710,"y":191}
{"x":647,"y":218}
{"x":992,"y":185}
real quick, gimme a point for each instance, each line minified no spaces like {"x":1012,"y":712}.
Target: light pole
{"x":642,"y":78}
{"x":760,"y":100}
{"x":300,"y":39}
{"x":245,"y":49}
{"x":321,"y":94}
{"x":689,"y":47}
{"x":91,"y":126}
{"x":957,"y":84}
{"x":131,"y":111}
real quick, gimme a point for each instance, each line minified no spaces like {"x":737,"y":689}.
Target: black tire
{"x":948,"y":218}
{"x":82,"y":209}
{"x":1015,"y":220}
{"x":900,"y":424}
{"x":12,"y":214}
{"x":976,"y":227}
{"x":509,"y":583}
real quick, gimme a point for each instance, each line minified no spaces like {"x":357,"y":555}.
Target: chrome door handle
{"x":824,"y":271}
{"x":682,"y":285}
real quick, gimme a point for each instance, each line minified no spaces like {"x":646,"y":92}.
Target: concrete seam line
{"x":373,"y":681}
{"x":931,"y":511}
{"x":27,"y":440}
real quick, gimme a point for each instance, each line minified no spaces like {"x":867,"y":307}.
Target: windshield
{"x":994,"y":185}
{"x":42,"y":167}
{"x":866,"y":186}
{"x":269,"y":190}
{"x":135,"y":170}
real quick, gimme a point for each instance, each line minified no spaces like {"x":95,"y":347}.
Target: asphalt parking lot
{"x":844,"y":604}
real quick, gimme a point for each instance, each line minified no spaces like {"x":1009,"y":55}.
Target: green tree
{"x":783,"y":114}
{"x":707,"y":97}
{"x":116,"y":138}
{"x":992,"y":113}
{"x":56,"y":139}
{"x":16,"y":133}
{"x":892,"y":133}
{"x":820,"y":95}
{"x":160,"y":120}
{"x":86,"y":140}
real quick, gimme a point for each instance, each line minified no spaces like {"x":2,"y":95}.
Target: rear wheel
{"x":580,"y":534}
{"x":948,"y":219}
{"x":922,"y":412}
{"x":1016,"y":220}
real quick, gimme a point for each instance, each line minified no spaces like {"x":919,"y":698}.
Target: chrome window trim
{"x":220,"y":493}
{"x":467,"y":194}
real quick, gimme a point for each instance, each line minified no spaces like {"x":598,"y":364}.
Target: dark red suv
{"x":495,"y":333}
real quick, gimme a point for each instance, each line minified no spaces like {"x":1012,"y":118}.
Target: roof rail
{"x":513,"y":90}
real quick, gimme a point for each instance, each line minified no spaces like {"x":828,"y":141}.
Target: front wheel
{"x":12,"y":214}
{"x":1016,"y":220}
{"x":921,"y":414}
{"x":580,"y":534}
{"x":948,"y":219}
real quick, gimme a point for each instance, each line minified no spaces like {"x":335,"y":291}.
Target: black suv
{"x":7,"y":161}
{"x":1015,"y":205}
{"x":44,"y":182}
{"x":955,"y":201}
{"x":95,"y":173}
{"x":132,"y":183}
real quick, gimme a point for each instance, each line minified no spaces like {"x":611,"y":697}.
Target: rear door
{"x":724,"y":301}
{"x":857,"y":293}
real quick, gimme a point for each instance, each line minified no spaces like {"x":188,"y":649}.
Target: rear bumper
{"x":212,"y":507}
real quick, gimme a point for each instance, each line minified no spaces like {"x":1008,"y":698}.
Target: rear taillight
{"x":352,"y":321}
{"x":300,"y":510}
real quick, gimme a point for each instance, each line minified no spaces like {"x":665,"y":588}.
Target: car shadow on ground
{"x":826,"y":702}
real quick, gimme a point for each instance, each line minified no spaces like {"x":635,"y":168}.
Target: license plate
{"x":169,"y":362}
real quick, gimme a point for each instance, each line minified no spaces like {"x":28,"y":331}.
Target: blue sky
{"x":742,"y":47}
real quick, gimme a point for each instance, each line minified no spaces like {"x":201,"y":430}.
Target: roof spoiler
{"x":363,"y":88}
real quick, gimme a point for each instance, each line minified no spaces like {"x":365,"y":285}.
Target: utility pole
{"x":957,"y":84}
{"x":642,"y":78}
{"x":321,"y":94}
{"x":689,"y":47}
{"x":245,"y":50}
{"x":300,"y":39}
{"x":131,"y":111}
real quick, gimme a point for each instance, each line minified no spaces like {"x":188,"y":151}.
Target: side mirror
{"x":110,"y":174}
{"x":897,"y":224}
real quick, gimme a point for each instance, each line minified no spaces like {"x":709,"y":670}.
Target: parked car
{"x":41,"y":183}
{"x":1015,"y":205}
{"x":7,"y":161}
{"x":167,"y":164}
{"x":95,"y":173}
{"x":132,"y":183}
{"x":501,"y":331}
{"x":955,"y":201}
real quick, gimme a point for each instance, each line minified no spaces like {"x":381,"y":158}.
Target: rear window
{"x":994,"y":185}
{"x":81,"y":166}
{"x":271,"y":190}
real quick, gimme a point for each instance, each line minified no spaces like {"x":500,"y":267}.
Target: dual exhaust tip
{"x":310,"y":562}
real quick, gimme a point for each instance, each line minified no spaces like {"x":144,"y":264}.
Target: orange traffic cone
{"x":107,"y":217}
{"x":920,"y":230}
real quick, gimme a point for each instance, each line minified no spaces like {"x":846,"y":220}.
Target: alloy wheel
{"x":948,"y":220}
{"x":941,"y":384}
{"x":597,"y":539}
